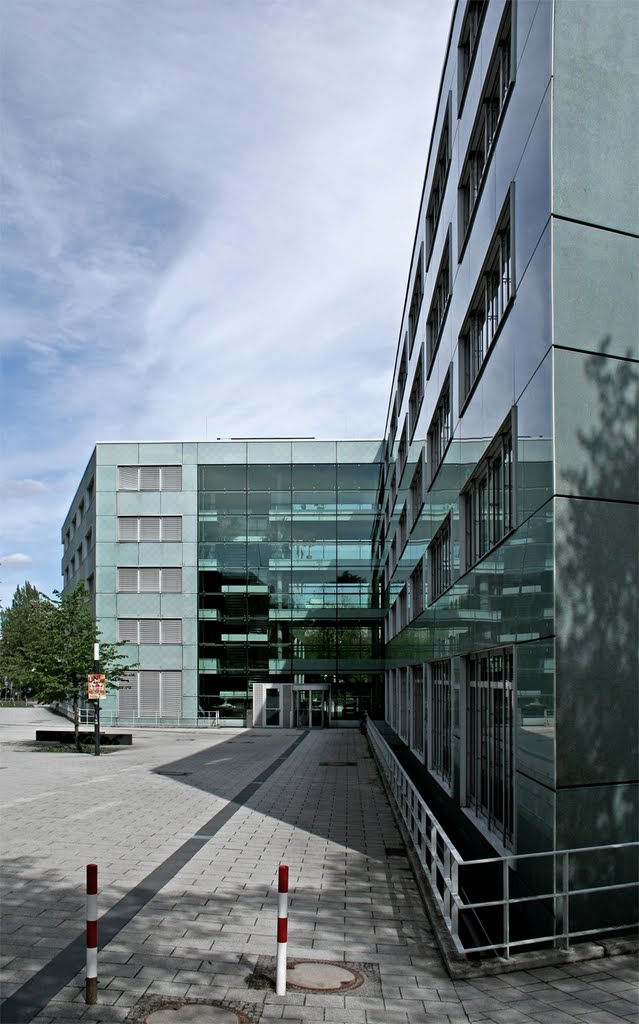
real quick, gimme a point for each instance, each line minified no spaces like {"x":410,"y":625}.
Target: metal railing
{"x":535,"y":899}
{"x":205,"y":720}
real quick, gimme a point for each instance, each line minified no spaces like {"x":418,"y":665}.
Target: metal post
{"x":91,"y":987}
{"x":506,"y":907}
{"x":96,"y":716}
{"x":282,"y":930}
{"x":566,"y":887}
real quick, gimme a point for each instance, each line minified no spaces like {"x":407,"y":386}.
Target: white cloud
{"x":15,"y":561}
{"x":209,"y":215}
{"x":22,"y":488}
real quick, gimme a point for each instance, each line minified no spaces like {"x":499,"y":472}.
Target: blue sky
{"x":208,"y":211}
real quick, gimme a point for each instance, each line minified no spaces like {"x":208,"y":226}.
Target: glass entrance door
{"x":309,"y":708}
{"x":317,"y":709}
{"x":272,"y":710}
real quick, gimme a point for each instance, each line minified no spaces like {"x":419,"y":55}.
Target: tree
{"x":55,"y":652}
{"x":21,"y":626}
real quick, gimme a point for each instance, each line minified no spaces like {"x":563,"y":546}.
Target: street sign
{"x":96,"y":687}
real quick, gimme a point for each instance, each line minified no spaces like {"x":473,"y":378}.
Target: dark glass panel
{"x":314,"y":477}
{"x":269,"y":502}
{"x":362,"y":476}
{"x":222,"y":502}
{"x":222,"y":478}
{"x":269,"y":478}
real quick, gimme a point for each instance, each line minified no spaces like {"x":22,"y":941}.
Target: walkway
{"x":188,"y":880}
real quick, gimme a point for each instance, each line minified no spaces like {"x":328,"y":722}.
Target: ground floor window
{"x":417,"y":726}
{"x":440,"y":760}
{"x":490,"y":739}
{"x":151,"y":694}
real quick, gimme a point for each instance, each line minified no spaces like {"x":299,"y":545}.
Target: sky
{"x":208,"y":209}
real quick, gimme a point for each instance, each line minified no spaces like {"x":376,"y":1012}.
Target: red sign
{"x":96,"y":687}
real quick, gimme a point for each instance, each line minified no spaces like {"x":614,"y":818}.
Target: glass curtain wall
{"x":285,"y":582}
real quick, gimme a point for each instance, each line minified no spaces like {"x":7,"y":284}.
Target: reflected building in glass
{"x":471,"y":581}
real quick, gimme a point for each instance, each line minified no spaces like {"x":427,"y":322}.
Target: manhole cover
{"x":196,"y":1013}
{"x":321,"y":976}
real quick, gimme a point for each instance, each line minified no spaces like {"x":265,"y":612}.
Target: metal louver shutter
{"x":149,"y":581}
{"x":149,"y":528}
{"x":172,"y":528}
{"x":172,"y":580}
{"x":171,"y":694}
{"x":128,"y":698}
{"x":171,"y":631}
{"x":127,"y":478}
{"x":127,"y":580}
{"x":127,"y":528}
{"x":149,"y":693}
{"x":128,"y":630}
{"x":149,"y":478}
{"x":171,"y":478}
{"x":149,"y":631}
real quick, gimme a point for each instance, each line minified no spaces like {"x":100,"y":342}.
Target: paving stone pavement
{"x":200,"y":928}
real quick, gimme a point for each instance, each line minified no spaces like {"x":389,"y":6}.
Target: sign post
{"x":96,"y":691}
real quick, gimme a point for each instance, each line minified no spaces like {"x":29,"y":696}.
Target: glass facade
{"x":286,"y":594}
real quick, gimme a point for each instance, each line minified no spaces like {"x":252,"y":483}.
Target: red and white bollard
{"x":282,"y":930}
{"x":91,"y":992}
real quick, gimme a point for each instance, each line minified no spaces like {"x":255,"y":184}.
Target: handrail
{"x":441,"y":864}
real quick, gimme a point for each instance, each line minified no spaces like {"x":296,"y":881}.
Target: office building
{"x":497,"y":542}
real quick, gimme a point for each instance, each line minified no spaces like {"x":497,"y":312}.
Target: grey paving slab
{"x":201,"y":931}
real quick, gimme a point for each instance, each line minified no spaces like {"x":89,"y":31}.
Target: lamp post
{"x":96,"y":714}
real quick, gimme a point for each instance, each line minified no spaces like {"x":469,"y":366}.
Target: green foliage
{"x":47,"y":645}
{"x":22,"y":628}
{"x":65,"y":656}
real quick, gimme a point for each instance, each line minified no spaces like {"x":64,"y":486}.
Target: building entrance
{"x":310,"y":707}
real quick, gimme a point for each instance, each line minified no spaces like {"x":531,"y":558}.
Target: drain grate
{"x":174,"y":773}
{"x":338,"y":764}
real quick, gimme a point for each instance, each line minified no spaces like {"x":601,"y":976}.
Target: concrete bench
{"x":107,"y":739}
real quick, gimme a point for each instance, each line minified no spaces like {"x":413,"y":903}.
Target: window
{"x":403,"y":528}
{"x":489,"y":115}
{"x":402,"y":451}
{"x":402,"y":373}
{"x":88,"y":540}
{"x":417,"y":673}
{"x":81,"y":510}
{"x":149,"y":528}
{"x":151,"y":694}
{"x":440,"y":760}
{"x":146,"y":580}
{"x":393,"y":431}
{"x":489,"y":739}
{"x":489,"y":305}
{"x":416,"y":395}
{"x":488,"y":499}
{"x":416,"y":301}
{"x":403,"y":704}
{"x":468,"y":45}
{"x":439,"y":305}
{"x":90,"y":490}
{"x":438,"y":187}
{"x":150,"y":631}
{"x":440,"y":430}
{"x":440,"y":560}
{"x":417,"y":490}
{"x":149,"y":478}
{"x":417,"y":590}
{"x":90,"y":584}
